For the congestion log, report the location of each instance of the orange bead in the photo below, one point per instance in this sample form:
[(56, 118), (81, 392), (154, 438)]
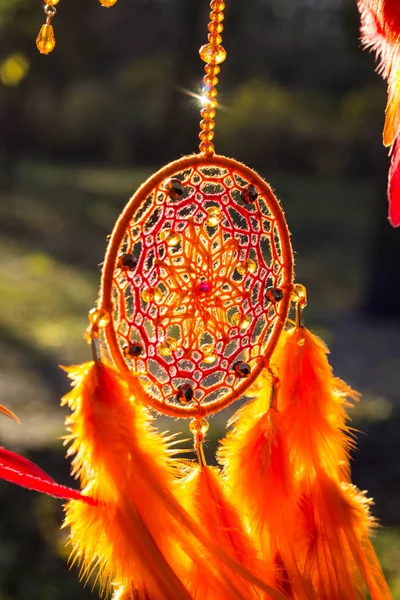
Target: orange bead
[(206, 135), (207, 148), (51, 2), (217, 17), (210, 103), (210, 80), (207, 125), (107, 3), (212, 54), (46, 41), (217, 5), (207, 113), (214, 38), (212, 69), (215, 27)]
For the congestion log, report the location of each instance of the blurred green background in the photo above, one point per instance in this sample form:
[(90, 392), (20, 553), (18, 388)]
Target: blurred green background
[(81, 128)]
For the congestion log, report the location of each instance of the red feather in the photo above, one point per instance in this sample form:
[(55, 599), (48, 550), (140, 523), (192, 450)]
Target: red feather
[(380, 28), (23, 472), (394, 187), (21, 464)]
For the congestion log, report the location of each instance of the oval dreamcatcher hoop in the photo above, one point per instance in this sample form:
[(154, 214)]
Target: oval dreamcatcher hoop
[(197, 281)]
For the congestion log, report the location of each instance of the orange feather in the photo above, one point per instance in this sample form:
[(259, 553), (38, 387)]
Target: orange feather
[(118, 456), (313, 406), (335, 555), (260, 478), (205, 498), (138, 536)]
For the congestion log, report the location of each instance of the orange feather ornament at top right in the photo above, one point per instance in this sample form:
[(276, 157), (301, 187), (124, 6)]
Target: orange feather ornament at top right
[(194, 313), (380, 28)]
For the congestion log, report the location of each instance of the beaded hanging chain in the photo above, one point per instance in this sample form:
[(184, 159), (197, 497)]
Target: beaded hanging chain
[(213, 54)]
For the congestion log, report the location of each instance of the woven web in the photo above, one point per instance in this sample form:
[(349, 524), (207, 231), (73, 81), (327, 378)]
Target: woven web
[(196, 300)]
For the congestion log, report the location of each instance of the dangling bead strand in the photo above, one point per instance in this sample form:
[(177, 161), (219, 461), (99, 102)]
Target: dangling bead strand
[(46, 41), (107, 3), (213, 54)]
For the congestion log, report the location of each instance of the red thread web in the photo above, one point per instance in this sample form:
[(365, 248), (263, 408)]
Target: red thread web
[(199, 290)]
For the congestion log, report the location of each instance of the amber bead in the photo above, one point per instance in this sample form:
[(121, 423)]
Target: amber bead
[(46, 41), (199, 426), (152, 294), (99, 317), (207, 148), (208, 113), (242, 322), (249, 266), (209, 354), (210, 80), (207, 125), (214, 38), (133, 350), (212, 69), (217, 17), (217, 5), (213, 219), (211, 92), (51, 2), (107, 3), (185, 393), (299, 294), (168, 347), (241, 369), (210, 103), (212, 54), (215, 27), (206, 136), (173, 240)]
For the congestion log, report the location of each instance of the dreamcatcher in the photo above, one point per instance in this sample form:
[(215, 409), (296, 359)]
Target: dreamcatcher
[(197, 308)]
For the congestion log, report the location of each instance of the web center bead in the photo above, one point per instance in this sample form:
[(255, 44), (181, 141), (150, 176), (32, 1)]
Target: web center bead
[(203, 288)]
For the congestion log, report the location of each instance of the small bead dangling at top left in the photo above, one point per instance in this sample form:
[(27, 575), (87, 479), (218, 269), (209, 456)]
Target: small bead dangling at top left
[(107, 3), (46, 41)]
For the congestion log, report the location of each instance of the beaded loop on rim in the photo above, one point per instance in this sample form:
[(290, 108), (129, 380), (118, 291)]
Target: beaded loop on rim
[(187, 276)]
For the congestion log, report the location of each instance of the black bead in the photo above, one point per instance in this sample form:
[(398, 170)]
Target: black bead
[(185, 393), (249, 194), (133, 350), (241, 369), (127, 261), (274, 294), (174, 188)]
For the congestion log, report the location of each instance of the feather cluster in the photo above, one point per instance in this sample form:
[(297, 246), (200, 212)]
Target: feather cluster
[(278, 520), (286, 465), (380, 28)]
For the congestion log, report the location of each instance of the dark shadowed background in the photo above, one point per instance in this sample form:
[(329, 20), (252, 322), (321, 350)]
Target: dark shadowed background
[(81, 128)]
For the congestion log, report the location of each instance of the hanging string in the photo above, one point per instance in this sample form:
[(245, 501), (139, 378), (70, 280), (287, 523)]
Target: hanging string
[(213, 54)]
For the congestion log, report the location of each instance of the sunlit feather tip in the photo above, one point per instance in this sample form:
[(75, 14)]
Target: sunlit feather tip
[(380, 28)]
